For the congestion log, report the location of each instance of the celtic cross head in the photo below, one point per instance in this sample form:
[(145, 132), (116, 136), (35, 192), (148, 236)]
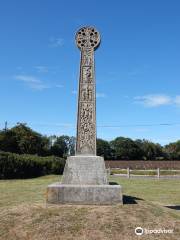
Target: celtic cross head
[(87, 37)]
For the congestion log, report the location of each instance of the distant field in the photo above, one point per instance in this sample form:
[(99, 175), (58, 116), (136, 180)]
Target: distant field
[(25, 215), (139, 164)]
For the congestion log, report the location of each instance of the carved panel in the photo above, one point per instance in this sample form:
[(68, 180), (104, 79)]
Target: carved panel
[(87, 126), (87, 92), (87, 74), (87, 57)]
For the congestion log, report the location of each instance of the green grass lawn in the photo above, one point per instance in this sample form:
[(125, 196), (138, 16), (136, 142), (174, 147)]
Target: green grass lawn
[(163, 192), (24, 213), (14, 192)]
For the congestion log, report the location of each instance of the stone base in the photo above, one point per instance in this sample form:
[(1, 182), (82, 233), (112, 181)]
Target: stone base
[(84, 181), (85, 170), (84, 194)]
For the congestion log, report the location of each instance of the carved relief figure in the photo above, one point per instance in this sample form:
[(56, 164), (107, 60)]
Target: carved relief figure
[(87, 74), (87, 60), (86, 94), (87, 57)]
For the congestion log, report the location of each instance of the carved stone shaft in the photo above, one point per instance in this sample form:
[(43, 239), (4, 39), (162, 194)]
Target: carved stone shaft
[(87, 40)]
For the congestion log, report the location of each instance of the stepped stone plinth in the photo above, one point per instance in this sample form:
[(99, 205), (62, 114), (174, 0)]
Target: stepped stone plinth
[(84, 182)]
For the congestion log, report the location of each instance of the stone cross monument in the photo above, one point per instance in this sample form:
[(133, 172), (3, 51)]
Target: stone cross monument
[(87, 40), (84, 178)]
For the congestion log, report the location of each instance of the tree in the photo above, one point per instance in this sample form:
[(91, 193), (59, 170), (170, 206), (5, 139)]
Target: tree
[(8, 141), (22, 139), (28, 140), (104, 149), (172, 150), (126, 148), (150, 150), (60, 146)]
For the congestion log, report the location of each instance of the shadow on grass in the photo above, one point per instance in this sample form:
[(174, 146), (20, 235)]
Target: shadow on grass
[(176, 207), (130, 199), (127, 199), (113, 183)]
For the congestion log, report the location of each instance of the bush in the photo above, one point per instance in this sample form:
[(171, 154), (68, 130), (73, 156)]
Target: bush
[(27, 166), (57, 165)]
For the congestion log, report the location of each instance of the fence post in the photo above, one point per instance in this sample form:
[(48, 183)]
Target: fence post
[(158, 173), (108, 170), (128, 172)]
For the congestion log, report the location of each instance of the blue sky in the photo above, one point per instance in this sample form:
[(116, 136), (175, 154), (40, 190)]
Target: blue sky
[(137, 66)]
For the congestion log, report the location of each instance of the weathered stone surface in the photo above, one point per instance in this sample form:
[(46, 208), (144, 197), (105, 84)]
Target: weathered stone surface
[(84, 194), (87, 39), (85, 170), (84, 182)]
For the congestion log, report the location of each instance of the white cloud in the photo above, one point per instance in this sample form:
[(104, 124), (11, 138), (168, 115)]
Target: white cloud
[(35, 83), (47, 69), (56, 42), (32, 82), (153, 100), (177, 100), (41, 69), (100, 95)]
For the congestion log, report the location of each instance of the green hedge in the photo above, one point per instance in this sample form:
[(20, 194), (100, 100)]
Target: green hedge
[(14, 166)]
